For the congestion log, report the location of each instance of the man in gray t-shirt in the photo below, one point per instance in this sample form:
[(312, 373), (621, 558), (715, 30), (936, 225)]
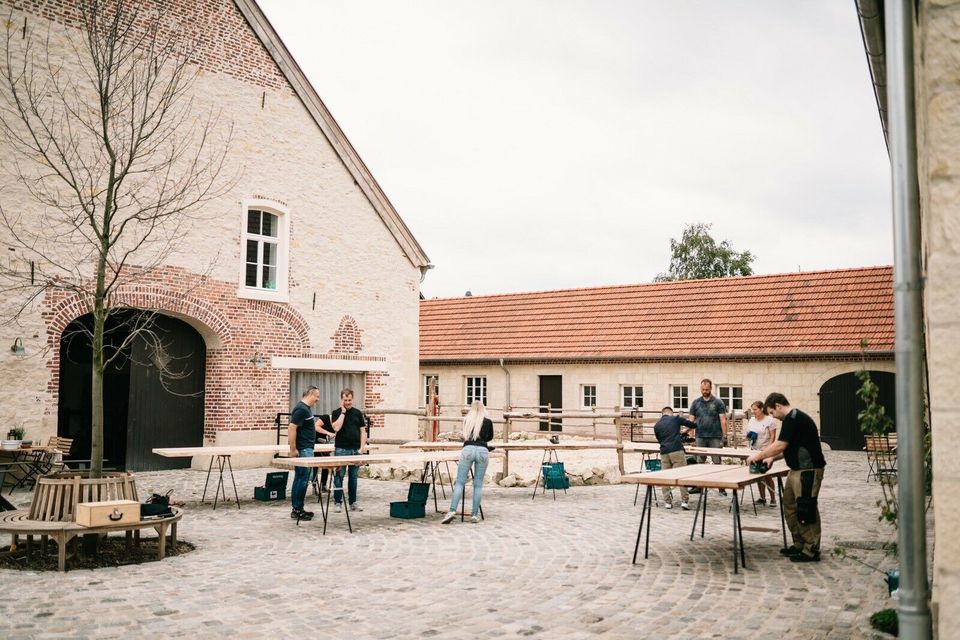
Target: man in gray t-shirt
[(711, 416)]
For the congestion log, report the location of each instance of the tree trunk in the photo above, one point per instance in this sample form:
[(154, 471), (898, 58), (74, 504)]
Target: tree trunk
[(96, 422)]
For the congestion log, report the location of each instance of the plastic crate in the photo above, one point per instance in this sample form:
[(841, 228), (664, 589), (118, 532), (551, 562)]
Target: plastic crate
[(653, 464)]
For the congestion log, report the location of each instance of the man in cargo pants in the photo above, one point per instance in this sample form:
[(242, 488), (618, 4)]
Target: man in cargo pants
[(799, 444)]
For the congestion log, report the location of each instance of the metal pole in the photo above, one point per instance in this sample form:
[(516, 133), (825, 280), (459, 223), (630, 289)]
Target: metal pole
[(914, 607)]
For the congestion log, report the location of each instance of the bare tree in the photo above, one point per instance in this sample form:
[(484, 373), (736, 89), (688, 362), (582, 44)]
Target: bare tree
[(109, 145)]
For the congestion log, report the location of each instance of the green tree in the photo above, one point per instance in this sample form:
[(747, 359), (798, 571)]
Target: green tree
[(697, 256)]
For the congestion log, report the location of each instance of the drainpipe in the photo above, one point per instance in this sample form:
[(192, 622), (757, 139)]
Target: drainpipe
[(506, 371), (914, 608)]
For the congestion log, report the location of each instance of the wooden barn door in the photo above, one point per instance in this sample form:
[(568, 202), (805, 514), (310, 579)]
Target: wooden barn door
[(166, 395), (839, 406)]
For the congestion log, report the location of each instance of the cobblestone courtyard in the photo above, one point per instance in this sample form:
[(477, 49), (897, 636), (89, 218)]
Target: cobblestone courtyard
[(534, 568)]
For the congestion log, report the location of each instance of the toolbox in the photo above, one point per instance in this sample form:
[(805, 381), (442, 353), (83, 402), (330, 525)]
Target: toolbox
[(274, 487), (109, 512), (415, 504)]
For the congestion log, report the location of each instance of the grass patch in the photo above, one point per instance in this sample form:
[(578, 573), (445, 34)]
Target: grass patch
[(886, 621)]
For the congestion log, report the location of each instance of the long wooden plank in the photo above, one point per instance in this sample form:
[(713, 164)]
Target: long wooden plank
[(188, 452), (736, 477), (680, 475)]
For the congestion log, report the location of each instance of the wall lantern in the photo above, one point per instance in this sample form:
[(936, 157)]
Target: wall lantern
[(258, 360)]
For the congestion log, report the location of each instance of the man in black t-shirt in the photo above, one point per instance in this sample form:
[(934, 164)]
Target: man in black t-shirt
[(799, 444), (351, 440)]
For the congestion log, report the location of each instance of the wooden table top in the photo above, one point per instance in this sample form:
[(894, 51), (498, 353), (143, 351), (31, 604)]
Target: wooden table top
[(726, 452), (411, 457), (736, 477), (187, 452), (515, 445), (712, 476)]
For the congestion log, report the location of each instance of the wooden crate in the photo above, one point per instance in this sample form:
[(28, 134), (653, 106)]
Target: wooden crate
[(109, 512)]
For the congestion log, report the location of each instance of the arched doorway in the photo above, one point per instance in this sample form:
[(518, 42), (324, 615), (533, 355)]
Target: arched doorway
[(153, 391), (839, 406)]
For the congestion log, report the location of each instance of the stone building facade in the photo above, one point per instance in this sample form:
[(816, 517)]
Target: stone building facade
[(649, 346), (346, 295)]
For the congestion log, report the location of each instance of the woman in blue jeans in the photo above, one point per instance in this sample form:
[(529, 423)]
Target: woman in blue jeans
[(477, 432)]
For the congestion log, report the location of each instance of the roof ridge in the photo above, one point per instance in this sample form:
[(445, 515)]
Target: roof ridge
[(671, 283)]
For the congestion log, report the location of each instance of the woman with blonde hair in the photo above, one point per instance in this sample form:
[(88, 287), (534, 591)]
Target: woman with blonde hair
[(477, 432)]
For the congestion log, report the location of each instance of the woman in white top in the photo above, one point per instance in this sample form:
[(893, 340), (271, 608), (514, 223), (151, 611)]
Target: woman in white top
[(762, 431)]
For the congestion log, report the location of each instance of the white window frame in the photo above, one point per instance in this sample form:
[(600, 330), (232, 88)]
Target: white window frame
[(426, 388), (281, 293), (728, 399), (673, 397), (633, 396), (584, 396), (470, 388)]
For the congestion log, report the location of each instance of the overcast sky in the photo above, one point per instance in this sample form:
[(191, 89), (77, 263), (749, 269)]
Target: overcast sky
[(554, 144)]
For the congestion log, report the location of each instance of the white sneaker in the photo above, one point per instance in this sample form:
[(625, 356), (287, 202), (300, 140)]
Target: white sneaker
[(475, 520), (447, 519), (667, 505), (685, 506)]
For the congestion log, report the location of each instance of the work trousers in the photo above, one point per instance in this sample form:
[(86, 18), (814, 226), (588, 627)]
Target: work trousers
[(802, 483), (669, 461)]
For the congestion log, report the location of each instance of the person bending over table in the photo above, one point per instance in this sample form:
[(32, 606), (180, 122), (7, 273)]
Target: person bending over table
[(670, 437), (477, 432), (302, 436), (351, 440), (762, 432), (799, 444)]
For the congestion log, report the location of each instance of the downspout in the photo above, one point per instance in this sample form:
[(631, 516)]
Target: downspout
[(914, 608), (507, 371)]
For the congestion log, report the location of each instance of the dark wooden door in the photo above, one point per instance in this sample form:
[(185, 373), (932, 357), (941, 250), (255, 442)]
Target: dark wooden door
[(166, 395), (839, 406), (551, 393)]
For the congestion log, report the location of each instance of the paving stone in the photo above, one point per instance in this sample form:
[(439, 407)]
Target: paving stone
[(533, 569)]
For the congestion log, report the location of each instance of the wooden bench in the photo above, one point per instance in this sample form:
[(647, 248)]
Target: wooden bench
[(18, 523), (52, 512)]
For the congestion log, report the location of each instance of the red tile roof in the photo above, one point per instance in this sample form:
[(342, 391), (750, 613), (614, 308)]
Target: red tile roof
[(823, 313)]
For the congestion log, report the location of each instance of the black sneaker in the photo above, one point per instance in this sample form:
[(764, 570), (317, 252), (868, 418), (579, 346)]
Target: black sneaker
[(802, 557), (790, 551), (301, 514), (694, 490), (723, 492)]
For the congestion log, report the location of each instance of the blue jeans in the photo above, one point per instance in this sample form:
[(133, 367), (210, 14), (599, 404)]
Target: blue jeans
[(351, 480), (301, 478), (476, 457)]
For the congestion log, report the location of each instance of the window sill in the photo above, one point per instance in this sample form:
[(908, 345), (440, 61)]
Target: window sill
[(263, 294)]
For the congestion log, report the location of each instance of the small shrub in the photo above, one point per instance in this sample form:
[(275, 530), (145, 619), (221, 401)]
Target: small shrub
[(886, 621)]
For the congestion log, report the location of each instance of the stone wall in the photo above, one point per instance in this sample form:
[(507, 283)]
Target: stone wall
[(799, 381), (938, 116)]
